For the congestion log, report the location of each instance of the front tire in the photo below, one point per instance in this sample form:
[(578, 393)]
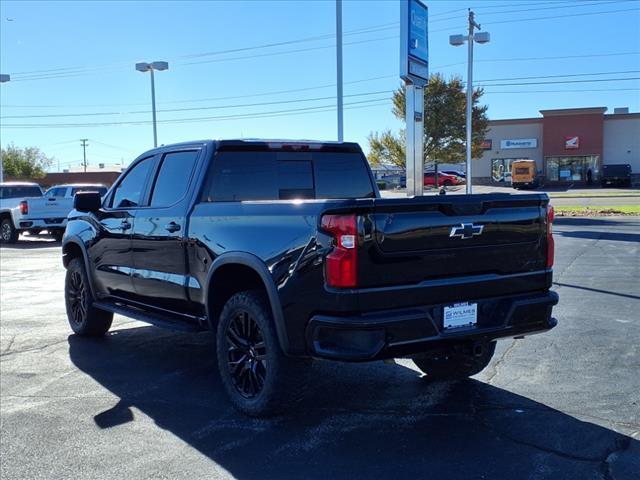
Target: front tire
[(456, 363), (258, 378), (85, 320), (8, 233)]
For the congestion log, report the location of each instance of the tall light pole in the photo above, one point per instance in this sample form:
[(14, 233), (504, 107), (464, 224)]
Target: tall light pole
[(456, 41), (151, 67), (339, 66), (4, 78)]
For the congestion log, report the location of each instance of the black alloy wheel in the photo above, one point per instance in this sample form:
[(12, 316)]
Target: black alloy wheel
[(77, 298), (84, 319), (246, 355)]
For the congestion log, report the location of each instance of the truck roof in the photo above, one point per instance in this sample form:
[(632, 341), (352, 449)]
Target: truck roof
[(272, 144), (19, 184), (62, 185)]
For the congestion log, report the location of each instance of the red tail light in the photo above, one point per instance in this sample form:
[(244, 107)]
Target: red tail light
[(550, 242), (341, 267), (24, 208)]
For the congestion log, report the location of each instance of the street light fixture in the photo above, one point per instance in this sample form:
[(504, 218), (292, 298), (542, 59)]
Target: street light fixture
[(456, 41), (151, 67)]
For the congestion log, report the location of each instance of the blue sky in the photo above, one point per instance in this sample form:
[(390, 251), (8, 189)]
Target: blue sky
[(76, 60)]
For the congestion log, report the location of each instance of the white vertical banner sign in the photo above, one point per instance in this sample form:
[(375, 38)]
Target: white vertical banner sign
[(414, 70)]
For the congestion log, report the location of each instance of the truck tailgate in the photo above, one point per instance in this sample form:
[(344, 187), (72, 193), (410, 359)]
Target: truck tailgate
[(49, 207), (412, 240)]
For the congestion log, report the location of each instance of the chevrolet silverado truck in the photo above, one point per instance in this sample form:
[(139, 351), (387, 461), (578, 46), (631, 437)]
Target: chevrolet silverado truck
[(288, 253), (12, 194), (50, 212)]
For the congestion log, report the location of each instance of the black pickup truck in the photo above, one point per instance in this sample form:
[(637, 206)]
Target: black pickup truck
[(287, 252)]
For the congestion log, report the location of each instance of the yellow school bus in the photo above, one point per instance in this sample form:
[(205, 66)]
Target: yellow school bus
[(523, 174)]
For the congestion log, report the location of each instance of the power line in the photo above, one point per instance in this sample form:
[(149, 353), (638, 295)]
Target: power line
[(250, 95), (489, 92), (318, 87), (572, 4), (556, 17), (198, 119), (215, 107), (65, 72), (562, 81), (303, 100), (561, 76)]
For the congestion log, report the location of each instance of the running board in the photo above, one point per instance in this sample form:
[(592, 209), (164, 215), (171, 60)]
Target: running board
[(156, 319)]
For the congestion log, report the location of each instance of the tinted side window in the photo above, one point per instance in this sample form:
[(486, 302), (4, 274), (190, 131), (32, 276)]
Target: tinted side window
[(129, 190), (56, 192), (173, 179)]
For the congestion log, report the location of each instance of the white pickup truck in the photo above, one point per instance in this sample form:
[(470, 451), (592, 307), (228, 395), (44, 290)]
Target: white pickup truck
[(50, 212), (11, 195)]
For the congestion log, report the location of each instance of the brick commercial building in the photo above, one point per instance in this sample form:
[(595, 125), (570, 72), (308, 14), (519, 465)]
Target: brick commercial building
[(565, 145)]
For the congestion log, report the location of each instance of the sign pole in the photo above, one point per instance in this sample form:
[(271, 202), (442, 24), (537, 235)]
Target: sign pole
[(414, 159), (414, 63)]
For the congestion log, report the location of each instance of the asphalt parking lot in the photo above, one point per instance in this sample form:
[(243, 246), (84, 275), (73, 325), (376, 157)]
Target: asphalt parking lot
[(147, 403)]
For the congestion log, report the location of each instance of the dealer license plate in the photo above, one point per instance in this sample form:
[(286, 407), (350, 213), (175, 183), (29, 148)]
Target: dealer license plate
[(461, 315)]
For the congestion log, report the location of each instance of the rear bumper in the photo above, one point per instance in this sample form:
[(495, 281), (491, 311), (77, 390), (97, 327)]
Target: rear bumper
[(26, 223), (409, 332)]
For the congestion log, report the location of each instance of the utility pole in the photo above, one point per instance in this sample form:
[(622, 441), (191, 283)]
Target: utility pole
[(339, 67), (84, 153)]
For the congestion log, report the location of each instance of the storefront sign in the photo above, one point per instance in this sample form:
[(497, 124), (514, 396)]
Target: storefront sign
[(565, 174), (571, 143), (487, 143), (519, 143)]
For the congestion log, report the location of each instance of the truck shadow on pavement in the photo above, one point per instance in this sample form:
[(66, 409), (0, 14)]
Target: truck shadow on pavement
[(357, 420)]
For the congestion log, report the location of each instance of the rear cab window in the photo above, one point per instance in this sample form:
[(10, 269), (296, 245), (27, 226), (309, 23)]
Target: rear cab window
[(20, 191), (282, 175)]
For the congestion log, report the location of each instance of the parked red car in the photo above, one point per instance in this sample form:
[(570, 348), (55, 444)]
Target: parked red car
[(444, 180)]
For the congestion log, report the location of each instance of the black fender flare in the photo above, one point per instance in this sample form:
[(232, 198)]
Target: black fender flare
[(257, 265), (76, 240)]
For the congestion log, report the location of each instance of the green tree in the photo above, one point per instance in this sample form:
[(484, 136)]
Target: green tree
[(27, 162), (444, 124)]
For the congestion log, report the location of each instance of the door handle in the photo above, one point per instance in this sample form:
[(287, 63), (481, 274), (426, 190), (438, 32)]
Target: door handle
[(172, 227), (125, 225)]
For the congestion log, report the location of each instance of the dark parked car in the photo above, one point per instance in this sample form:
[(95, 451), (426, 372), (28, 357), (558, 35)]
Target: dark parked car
[(288, 253), (618, 175)]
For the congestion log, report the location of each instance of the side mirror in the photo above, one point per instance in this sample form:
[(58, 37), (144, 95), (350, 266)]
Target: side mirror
[(87, 201)]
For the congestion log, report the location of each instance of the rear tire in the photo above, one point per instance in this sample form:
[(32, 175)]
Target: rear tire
[(456, 363), (258, 378), (84, 319), (447, 183), (8, 233)]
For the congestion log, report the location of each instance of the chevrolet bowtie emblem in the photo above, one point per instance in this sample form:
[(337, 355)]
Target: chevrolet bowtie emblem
[(466, 230)]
